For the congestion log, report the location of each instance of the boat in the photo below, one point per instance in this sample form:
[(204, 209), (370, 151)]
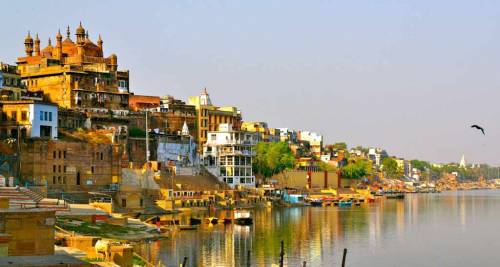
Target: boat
[(242, 217), (395, 195), (212, 220), (194, 221), (226, 221), (316, 202), (345, 203), (188, 227)]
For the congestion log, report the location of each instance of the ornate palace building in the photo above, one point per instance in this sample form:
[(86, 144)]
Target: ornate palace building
[(75, 74)]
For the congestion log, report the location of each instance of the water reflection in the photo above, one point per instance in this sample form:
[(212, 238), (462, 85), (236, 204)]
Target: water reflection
[(449, 229)]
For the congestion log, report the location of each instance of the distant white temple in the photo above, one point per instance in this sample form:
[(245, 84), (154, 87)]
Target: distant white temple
[(462, 164)]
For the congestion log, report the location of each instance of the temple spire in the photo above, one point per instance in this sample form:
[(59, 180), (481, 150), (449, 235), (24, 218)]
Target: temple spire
[(99, 42), (68, 32)]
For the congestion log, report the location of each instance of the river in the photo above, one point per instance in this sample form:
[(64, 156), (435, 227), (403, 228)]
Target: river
[(448, 229)]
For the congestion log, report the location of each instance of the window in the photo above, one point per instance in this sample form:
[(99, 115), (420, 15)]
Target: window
[(54, 168), (242, 180), (213, 137), (59, 168), (64, 154), (54, 154), (50, 116), (45, 116), (53, 180), (24, 115), (92, 169), (102, 156), (64, 168), (41, 115), (60, 153), (64, 179), (124, 202), (229, 180), (13, 115)]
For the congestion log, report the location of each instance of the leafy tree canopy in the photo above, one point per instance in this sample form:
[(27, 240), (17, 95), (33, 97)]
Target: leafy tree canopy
[(272, 158)]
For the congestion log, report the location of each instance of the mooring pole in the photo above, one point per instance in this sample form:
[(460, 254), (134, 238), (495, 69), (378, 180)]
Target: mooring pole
[(343, 257), (184, 262), (282, 254), (248, 258), (304, 264)]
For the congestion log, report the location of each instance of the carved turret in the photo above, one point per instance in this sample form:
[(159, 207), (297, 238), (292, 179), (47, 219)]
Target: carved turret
[(37, 45), (99, 42), (28, 45)]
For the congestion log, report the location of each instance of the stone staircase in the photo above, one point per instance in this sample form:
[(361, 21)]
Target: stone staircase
[(27, 199)]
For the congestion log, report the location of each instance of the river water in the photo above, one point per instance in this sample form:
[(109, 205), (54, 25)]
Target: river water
[(448, 229)]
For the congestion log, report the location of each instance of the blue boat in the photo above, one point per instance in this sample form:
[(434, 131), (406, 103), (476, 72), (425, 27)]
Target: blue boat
[(345, 203)]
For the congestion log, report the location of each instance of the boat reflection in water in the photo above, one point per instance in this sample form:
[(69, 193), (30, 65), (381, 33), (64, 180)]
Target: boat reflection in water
[(448, 229)]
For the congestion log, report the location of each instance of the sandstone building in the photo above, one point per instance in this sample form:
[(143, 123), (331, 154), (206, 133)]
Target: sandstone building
[(75, 73), (209, 117)]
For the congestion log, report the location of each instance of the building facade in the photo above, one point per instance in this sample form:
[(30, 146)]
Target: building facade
[(315, 141), (11, 87), (209, 117), (229, 154), (75, 74), (28, 119), (70, 165)]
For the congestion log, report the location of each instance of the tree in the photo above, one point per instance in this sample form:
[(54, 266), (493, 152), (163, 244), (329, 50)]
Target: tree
[(325, 166), (420, 165), (340, 145), (272, 158), (391, 169), (136, 132), (356, 170)]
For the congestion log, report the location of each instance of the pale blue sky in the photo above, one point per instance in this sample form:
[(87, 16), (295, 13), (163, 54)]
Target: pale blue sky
[(409, 76)]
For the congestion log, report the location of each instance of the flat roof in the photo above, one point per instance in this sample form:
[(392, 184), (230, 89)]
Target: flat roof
[(49, 260)]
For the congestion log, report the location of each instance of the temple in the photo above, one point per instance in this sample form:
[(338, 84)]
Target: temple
[(75, 74)]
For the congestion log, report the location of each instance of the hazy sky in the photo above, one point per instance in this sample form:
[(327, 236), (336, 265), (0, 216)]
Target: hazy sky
[(408, 76)]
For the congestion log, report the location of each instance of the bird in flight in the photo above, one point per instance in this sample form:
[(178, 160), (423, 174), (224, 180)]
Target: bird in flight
[(478, 127)]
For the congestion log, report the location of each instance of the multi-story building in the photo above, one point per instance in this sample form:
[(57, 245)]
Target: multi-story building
[(71, 165), (28, 119), (166, 115), (228, 154), (11, 87), (75, 74), (288, 135), (210, 116), (141, 102), (315, 141)]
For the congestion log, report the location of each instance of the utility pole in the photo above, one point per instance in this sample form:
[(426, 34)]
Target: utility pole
[(147, 137)]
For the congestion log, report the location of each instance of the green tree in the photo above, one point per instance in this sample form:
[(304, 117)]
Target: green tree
[(356, 170), (391, 169), (272, 158), (136, 132), (420, 165)]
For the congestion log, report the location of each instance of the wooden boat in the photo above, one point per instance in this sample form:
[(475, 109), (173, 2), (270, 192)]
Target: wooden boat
[(242, 217), (395, 195), (345, 203), (212, 220), (188, 227), (316, 202), (194, 221)]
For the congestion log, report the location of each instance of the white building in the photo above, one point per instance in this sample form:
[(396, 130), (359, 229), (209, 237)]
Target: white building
[(315, 141), (29, 118), (229, 154)]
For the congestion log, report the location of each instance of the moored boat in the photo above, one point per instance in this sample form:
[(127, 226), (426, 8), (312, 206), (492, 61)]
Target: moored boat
[(212, 220), (345, 203), (242, 217)]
